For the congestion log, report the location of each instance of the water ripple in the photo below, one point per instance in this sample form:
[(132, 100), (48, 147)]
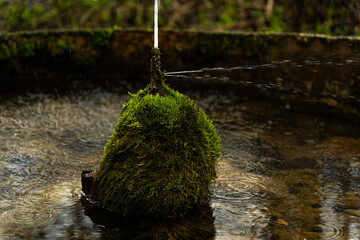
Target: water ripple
[(331, 230), (242, 185), (46, 140), (27, 215)]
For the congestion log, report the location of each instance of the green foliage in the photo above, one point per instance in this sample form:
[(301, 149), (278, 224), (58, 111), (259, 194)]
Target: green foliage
[(202, 16), (18, 16), (275, 20), (161, 158), (323, 29), (275, 25), (322, 16), (229, 15)]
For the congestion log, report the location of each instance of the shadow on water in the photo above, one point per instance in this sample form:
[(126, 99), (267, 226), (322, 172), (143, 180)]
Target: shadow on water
[(290, 165), (197, 224)]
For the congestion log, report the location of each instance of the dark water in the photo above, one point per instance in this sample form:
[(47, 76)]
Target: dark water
[(289, 169)]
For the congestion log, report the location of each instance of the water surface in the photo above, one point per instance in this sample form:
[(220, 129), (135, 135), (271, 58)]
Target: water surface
[(289, 169)]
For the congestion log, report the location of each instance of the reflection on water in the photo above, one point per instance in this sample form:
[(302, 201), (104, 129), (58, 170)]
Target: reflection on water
[(289, 169), (45, 142), (306, 77), (198, 224)]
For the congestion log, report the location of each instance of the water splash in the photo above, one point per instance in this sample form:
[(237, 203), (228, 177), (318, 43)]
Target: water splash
[(156, 28)]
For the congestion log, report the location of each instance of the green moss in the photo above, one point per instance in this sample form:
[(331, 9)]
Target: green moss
[(97, 45), (102, 38), (58, 46), (161, 158), (157, 76), (15, 47), (225, 44)]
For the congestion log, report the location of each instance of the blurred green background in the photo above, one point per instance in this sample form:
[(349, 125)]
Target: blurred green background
[(337, 17)]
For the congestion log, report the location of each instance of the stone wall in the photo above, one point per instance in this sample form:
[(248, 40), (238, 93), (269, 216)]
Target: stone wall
[(105, 57)]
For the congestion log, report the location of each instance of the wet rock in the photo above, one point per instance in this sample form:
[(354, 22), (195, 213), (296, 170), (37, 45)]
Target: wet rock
[(89, 183)]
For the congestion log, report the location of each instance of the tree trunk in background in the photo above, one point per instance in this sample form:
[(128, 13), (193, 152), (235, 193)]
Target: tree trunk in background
[(269, 8)]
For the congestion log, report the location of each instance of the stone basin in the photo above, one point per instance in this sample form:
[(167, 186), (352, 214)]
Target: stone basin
[(285, 105)]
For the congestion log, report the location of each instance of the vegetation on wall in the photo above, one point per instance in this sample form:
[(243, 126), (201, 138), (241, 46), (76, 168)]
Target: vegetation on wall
[(62, 45), (322, 16)]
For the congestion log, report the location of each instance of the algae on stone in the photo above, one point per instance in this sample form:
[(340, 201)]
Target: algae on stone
[(161, 157)]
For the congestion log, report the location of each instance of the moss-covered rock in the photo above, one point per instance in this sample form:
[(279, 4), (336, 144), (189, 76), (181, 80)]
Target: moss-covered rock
[(161, 158)]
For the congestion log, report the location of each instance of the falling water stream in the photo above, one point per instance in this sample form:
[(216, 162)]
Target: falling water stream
[(156, 24), (289, 169)]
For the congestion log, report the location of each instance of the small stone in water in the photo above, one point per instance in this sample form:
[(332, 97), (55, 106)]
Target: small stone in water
[(282, 222)]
